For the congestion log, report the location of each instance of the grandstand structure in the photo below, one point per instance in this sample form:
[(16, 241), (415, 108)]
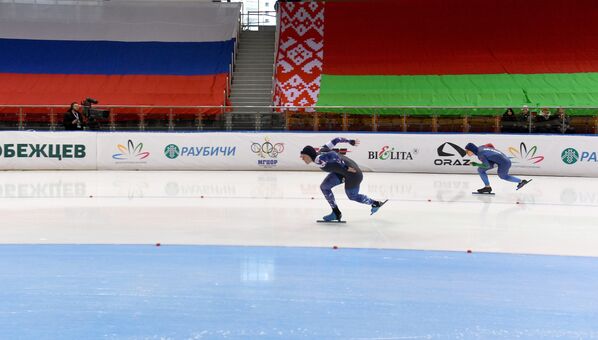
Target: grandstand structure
[(324, 66)]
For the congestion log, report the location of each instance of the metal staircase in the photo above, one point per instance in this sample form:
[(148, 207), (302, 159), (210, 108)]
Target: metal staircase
[(252, 83)]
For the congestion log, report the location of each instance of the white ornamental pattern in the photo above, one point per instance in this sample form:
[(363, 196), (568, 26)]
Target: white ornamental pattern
[(300, 55)]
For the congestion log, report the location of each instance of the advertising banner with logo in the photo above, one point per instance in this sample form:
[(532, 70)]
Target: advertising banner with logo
[(28, 150), (380, 152), (444, 153), (193, 151), (529, 154), (579, 157), (242, 151)]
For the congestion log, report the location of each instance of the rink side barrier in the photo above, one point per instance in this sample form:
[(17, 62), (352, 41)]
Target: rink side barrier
[(429, 153)]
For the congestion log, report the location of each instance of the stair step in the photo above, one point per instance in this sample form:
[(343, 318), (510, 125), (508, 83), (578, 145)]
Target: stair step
[(240, 88), (255, 53), (267, 57), (251, 105), (264, 40), (264, 69), (251, 91), (260, 87), (252, 99), (258, 48), (257, 100), (241, 93), (257, 35), (257, 42), (247, 69), (254, 58), (254, 64), (243, 96), (263, 59), (245, 76), (260, 111), (260, 95), (258, 75), (264, 72), (252, 79), (257, 62), (254, 47), (252, 85), (261, 65), (257, 38)]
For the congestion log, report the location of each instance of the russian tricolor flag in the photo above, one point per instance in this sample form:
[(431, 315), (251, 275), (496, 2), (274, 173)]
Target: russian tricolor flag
[(140, 53)]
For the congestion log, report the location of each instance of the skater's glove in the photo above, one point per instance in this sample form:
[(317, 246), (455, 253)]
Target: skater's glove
[(479, 165), (354, 142)]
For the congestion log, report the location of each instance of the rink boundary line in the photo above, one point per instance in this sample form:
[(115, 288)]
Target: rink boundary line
[(298, 247), (296, 198)]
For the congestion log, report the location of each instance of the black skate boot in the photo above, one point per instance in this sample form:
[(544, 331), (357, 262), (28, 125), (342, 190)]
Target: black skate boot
[(376, 205), (522, 183), (334, 215), (485, 190)]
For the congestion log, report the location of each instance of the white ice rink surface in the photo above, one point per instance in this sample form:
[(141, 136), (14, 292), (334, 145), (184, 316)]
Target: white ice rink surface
[(551, 215)]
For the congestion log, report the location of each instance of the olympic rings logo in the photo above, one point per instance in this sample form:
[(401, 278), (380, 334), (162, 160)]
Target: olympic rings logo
[(267, 148)]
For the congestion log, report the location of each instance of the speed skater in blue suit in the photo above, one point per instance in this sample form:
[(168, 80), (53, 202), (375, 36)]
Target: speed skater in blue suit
[(341, 169), (489, 157)]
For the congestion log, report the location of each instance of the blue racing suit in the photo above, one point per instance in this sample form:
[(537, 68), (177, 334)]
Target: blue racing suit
[(338, 167), (490, 157)]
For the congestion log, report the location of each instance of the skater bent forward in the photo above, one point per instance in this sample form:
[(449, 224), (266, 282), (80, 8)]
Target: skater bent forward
[(490, 157), (341, 168)]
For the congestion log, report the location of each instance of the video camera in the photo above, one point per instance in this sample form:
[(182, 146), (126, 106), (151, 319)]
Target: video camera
[(93, 116), (93, 113)]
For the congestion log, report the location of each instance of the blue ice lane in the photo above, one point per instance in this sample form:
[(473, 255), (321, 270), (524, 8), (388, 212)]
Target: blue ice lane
[(182, 292)]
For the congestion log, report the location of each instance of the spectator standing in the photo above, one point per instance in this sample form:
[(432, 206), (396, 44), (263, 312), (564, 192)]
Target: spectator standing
[(73, 119), (509, 121), (564, 122), (544, 122)]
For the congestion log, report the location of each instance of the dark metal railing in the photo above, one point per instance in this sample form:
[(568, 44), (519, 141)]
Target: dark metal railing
[(260, 118)]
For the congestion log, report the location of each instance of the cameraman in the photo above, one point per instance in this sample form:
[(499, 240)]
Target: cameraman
[(92, 116), (73, 119)]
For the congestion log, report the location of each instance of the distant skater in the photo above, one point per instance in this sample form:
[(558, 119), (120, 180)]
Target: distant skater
[(341, 169), (490, 157)]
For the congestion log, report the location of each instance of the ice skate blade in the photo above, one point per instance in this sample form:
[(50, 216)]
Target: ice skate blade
[(334, 221), (524, 184), (378, 208), (482, 193)]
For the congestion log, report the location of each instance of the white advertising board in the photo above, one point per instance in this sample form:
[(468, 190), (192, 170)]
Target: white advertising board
[(28, 150), (380, 152)]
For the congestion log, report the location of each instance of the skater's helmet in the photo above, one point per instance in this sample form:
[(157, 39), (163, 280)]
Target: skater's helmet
[(472, 147), (310, 151)]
